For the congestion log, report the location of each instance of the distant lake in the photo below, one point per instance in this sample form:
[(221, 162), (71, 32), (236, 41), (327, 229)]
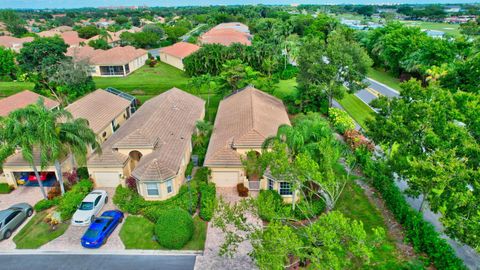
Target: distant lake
[(36, 4)]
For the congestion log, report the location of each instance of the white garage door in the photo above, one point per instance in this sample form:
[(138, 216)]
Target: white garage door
[(107, 179), (225, 179)]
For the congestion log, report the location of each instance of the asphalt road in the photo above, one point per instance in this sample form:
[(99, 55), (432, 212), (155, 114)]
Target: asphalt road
[(87, 262), (374, 90)]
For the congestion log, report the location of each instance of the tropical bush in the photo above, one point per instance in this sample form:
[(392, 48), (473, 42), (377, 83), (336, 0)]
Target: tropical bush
[(82, 173), (174, 228), (131, 202), (69, 202), (420, 233), (269, 204), (340, 120), (45, 204), (207, 200), (5, 188), (356, 140)]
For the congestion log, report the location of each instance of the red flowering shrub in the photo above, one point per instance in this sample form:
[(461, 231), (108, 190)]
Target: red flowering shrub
[(356, 140), (131, 183)]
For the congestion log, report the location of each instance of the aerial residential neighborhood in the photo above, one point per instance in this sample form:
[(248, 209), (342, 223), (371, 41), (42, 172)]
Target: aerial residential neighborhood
[(212, 136)]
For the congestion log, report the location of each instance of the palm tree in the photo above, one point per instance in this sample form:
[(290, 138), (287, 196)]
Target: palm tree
[(75, 137), (30, 129)]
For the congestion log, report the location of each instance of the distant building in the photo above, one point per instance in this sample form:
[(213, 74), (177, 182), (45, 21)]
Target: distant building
[(227, 34), (70, 37), (452, 9), (435, 33)]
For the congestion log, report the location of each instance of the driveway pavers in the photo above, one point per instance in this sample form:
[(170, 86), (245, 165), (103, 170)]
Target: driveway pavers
[(215, 237), (70, 240)]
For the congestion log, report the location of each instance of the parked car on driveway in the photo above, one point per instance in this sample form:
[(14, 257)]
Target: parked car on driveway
[(101, 228), (13, 217), (90, 206)]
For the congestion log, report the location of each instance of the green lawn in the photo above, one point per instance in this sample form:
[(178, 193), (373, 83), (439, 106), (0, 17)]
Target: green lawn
[(354, 204), (10, 88), (37, 233), (356, 108), (452, 29), (286, 88), (384, 77), (147, 81), (137, 233)]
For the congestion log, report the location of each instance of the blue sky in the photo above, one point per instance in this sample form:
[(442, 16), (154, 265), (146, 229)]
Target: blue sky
[(96, 3)]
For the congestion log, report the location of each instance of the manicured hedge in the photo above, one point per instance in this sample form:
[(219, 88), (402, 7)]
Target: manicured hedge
[(207, 200), (420, 233), (174, 228), (131, 202), (71, 199), (45, 204), (269, 204), (5, 188)]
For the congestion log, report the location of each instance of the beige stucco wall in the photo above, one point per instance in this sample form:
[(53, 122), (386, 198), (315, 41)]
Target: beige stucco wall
[(171, 60), (108, 129)]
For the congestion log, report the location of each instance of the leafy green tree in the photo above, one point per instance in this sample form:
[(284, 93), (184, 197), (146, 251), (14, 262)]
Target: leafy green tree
[(37, 56), (329, 69), (236, 75), (121, 19), (13, 22), (8, 67), (99, 44), (470, 28), (88, 31)]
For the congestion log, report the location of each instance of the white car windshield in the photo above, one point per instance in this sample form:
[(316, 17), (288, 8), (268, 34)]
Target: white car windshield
[(86, 206)]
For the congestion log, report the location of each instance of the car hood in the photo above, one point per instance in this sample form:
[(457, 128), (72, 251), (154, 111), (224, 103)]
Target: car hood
[(82, 215)]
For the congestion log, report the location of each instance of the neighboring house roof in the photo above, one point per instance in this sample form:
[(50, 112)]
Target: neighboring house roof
[(70, 37), (21, 100), (13, 42), (114, 56), (225, 36), (62, 28), (244, 119), (240, 27), (99, 108), (164, 124), (180, 49), (113, 37)]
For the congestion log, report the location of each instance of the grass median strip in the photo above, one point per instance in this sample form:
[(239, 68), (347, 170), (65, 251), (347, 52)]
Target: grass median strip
[(357, 109)]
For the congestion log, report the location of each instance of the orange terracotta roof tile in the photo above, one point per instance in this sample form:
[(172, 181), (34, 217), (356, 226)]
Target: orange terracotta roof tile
[(180, 49), (21, 100)]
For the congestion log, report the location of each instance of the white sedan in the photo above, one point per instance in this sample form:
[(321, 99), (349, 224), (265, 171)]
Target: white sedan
[(90, 206)]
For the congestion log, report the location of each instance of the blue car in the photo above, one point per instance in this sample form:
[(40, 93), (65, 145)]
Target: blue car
[(101, 228)]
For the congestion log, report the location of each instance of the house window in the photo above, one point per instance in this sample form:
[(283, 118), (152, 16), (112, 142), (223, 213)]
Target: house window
[(270, 184), (169, 186), (152, 189), (127, 69), (285, 188), (104, 134)]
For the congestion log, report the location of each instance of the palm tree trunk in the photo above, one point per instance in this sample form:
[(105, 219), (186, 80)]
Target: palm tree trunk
[(58, 168), (37, 175)]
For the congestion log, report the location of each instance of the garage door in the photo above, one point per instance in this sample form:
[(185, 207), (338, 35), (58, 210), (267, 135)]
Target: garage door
[(107, 179), (225, 179)]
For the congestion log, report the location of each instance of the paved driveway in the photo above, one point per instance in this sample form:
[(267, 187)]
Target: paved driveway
[(30, 195), (70, 240)]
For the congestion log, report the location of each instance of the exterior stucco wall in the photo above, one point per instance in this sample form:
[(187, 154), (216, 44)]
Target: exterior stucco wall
[(119, 170), (172, 60), (133, 65)]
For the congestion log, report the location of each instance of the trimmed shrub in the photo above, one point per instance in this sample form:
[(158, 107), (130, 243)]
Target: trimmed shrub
[(242, 190), (174, 228), (69, 202), (82, 173), (269, 204), (45, 204), (202, 175), (340, 120), (5, 188), (207, 200), (128, 200)]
